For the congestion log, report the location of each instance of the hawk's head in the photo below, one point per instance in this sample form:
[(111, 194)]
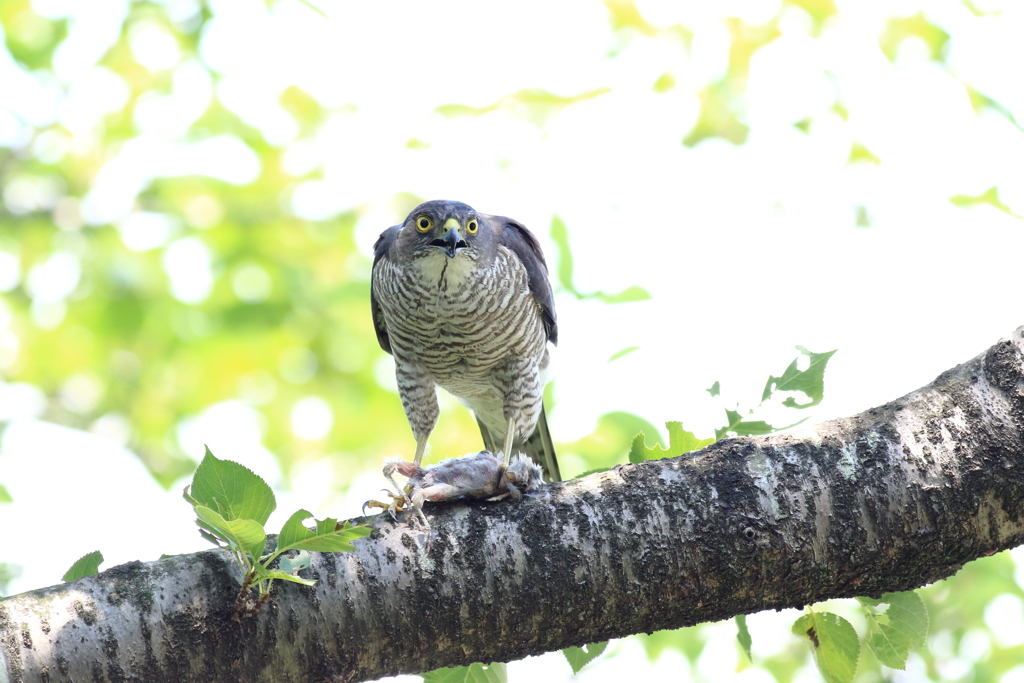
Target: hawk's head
[(451, 227)]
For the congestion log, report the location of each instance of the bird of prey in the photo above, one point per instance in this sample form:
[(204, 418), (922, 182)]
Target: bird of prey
[(462, 300)]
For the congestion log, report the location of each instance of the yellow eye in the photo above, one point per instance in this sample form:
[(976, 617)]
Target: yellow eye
[(424, 224), (471, 226)]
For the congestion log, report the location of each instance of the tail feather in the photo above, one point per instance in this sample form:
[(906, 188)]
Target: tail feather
[(541, 448), (491, 441), (538, 446)]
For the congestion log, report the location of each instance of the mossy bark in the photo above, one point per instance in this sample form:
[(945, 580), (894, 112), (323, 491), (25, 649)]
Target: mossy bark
[(891, 499)]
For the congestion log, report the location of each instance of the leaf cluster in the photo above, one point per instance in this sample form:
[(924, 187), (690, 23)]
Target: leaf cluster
[(232, 506), (897, 624), (810, 381)]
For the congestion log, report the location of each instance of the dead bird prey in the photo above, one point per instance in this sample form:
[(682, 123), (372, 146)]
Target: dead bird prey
[(476, 475)]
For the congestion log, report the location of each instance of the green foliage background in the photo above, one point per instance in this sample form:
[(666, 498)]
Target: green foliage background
[(121, 348)]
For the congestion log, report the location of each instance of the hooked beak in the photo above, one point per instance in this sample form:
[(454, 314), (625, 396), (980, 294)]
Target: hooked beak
[(451, 242)]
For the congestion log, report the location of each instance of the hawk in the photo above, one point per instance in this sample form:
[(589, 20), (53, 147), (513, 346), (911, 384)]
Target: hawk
[(462, 300)]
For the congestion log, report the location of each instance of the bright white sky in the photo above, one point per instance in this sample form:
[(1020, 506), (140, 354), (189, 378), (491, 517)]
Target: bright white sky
[(747, 250)]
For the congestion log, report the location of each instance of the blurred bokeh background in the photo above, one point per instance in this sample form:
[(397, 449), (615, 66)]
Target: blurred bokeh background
[(191, 190)]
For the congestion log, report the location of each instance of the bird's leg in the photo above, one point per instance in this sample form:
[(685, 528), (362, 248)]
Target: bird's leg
[(510, 437), (421, 448), (419, 399), (390, 467)]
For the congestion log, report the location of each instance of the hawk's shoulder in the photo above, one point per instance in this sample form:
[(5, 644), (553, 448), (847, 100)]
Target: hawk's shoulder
[(381, 250), (515, 236), (382, 247)]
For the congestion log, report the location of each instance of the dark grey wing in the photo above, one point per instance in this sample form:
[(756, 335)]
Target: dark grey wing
[(490, 442), (381, 249), (515, 236)]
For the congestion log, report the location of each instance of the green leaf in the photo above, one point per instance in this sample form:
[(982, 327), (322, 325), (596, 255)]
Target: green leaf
[(638, 449), (285, 576), (579, 657), (752, 428), (564, 275), (634, 293), (264, 574), (240, 534), (862, 216), (834, 643), (327, 538), (453, 110), (896, 630), (474, 673), (614, 433), (682, 441), (5, 495), (679, 441), (231, 490), (740, 426), (743, 635), (623, 352), (564, 265), (858, 152), (719, 117), (87, 565), (293, 565), (625, 15), (208, 536), (715, 389), (989, 196), (810, 381), (534, 104), (664, 83), (898, 29), (981, 103)]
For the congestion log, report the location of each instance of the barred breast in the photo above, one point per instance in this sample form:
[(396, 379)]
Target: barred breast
[(463, 324)]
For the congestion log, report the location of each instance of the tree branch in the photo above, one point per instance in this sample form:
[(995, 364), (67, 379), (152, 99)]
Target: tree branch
[(891, 499)]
